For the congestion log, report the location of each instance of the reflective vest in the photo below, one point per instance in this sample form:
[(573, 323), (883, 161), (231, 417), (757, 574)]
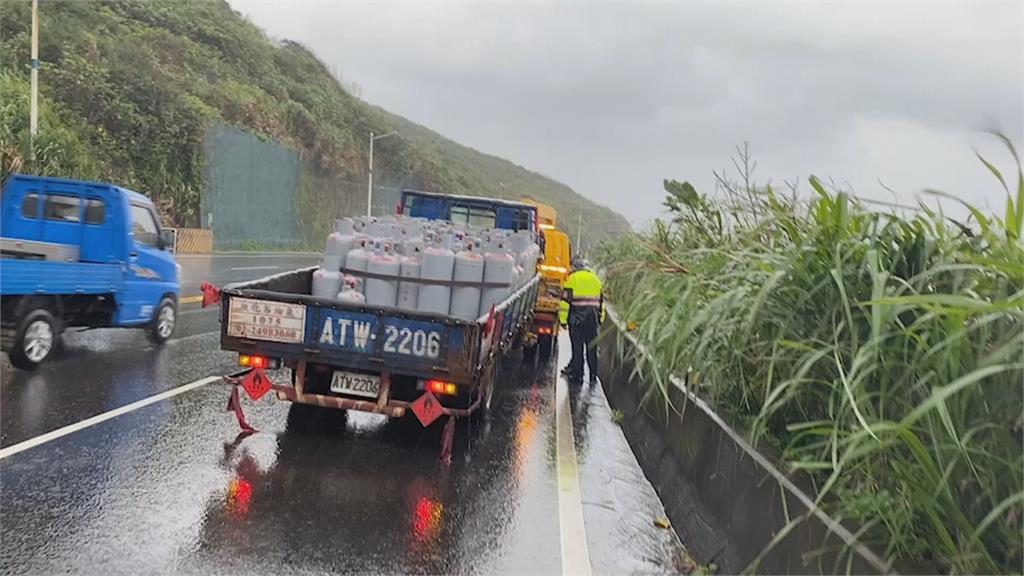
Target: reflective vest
[(581, 290)]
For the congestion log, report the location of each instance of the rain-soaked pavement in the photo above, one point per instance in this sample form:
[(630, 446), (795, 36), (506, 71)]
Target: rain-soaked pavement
[(172, 486)]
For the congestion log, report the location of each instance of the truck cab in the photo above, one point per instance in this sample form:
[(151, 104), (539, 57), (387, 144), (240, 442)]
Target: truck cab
[(85, 254), (487, 212)]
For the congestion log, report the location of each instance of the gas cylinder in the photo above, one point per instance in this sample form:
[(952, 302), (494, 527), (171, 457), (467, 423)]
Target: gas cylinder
[(358, 257), (351, 295), (437, 264), (469, 267), (339, 242), (326, 282), (409, 292), (353, 282), (382, 292), (499, 266)]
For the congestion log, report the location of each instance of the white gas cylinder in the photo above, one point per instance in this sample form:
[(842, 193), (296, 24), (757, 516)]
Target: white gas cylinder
[(339, 243), (499, 266), (351, 295), (469, 267), (326, 282), (358, 257), (437, 264), (383, 292), (409, 292)]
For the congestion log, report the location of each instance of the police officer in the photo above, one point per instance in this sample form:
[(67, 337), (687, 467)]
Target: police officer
[(582, 308)]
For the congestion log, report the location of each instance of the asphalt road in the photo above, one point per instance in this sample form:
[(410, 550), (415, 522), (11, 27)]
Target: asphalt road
[(172, 487)]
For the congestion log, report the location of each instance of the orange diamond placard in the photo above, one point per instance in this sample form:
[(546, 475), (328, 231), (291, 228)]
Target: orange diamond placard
[(256, 384), (427, 408)]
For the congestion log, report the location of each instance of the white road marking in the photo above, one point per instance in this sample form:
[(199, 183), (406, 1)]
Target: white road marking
[(241, 268), (575, 552), (61, 432)]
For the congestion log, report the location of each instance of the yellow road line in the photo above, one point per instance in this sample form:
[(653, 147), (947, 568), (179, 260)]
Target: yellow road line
[(575, 552), (190, 299)]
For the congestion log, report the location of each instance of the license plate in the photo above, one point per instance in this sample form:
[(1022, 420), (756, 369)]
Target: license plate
[(364, 385)]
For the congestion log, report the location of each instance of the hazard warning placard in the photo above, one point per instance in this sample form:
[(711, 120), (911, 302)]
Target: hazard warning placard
[(427, 408)]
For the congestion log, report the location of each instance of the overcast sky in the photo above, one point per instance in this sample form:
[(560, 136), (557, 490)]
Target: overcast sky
[(611, 98)]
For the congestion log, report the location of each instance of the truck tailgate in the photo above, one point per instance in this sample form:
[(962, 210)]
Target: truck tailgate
[(370, 338)]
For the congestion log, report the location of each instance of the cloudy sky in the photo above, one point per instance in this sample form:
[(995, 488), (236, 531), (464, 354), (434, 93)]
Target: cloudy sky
[(611, 98)]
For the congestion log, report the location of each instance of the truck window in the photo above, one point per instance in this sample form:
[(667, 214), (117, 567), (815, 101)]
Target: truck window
[(144, 226), (30, 206), (62, 208), (95, 211)]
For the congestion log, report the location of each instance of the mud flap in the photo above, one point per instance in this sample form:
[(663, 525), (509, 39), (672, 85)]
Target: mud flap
[(235, 403), (447, 439)]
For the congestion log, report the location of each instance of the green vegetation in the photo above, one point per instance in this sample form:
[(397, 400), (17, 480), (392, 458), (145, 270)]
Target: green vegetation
[(881, 356), (617, 416), (128, 89)]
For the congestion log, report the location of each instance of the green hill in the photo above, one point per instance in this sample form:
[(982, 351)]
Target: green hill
[(128, 89)]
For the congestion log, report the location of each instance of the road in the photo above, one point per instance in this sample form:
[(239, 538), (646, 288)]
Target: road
[(166, 484)]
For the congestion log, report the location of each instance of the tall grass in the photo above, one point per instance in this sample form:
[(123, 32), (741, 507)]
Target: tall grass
[(881, 355)]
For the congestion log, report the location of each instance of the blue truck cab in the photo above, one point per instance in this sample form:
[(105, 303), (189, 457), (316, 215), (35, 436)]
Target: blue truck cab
[(80, 254)]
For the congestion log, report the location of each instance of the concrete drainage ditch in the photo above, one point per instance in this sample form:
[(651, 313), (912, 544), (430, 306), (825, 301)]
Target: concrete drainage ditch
[(727, 502)]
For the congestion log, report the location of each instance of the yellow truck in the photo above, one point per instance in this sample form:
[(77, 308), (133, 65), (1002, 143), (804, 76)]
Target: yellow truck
[(554, 269)]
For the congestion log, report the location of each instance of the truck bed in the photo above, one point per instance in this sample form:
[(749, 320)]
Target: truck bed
[(19, 277), (277, 317)]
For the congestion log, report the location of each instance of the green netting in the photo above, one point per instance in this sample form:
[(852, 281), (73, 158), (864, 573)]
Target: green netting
[(251, 190)]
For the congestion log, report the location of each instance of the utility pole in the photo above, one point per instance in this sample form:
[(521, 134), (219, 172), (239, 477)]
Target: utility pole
[(369, 180), (33, 115)]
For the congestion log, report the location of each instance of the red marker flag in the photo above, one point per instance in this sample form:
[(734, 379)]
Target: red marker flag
[(256, 384), (211, 294), (427, 408)]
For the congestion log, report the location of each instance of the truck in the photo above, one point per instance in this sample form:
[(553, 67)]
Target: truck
[(554, 269), (82, 254), (380, 359)]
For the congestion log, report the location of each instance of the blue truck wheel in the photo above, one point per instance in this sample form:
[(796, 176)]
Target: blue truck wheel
[(35, 340), (164, 320)]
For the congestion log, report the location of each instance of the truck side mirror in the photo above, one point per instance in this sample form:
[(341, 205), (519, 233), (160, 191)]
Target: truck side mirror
[(167, 239)]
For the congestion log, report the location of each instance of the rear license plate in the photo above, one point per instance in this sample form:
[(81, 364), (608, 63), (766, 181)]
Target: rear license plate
[(365, 385)]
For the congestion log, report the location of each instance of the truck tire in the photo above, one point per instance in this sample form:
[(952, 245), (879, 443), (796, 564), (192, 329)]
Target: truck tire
[(545, 345), (35, 339), (530, 353), (164, 320)]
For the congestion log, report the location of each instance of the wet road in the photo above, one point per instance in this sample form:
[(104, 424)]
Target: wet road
[(171, 487)]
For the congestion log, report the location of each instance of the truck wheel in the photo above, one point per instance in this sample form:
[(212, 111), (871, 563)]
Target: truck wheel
[(529, 353), (545, 345), (35, 340), (164, 320)]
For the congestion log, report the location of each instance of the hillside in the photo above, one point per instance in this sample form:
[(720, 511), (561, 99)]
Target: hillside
[(129, 87)]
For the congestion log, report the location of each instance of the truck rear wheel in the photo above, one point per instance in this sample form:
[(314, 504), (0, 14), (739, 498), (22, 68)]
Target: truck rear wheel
[(545, 346), (35, 340), (163, 323)]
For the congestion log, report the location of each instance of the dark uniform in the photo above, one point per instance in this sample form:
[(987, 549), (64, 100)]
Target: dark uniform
[(582, 309)]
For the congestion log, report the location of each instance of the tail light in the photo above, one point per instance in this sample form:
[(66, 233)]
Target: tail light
[(263, 362), (439, 387), (544, 330)]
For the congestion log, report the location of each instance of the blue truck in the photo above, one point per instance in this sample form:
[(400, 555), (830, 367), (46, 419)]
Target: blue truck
[(354, 356), (80, 254)]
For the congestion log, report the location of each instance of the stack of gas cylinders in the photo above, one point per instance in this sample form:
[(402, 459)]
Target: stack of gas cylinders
[(377, 261)]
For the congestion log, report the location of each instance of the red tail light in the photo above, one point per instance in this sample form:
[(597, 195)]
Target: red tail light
[(543, 330), (441, 387), (252, 361)]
